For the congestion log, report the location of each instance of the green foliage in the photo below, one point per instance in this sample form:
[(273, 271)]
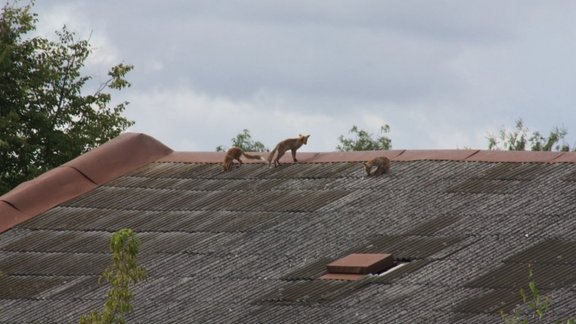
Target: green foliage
[(244, 141), (520, 138), (46, 119), (537, 303), (363, 141), (122, 274)]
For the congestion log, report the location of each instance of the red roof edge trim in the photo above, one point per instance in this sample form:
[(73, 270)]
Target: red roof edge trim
[(394, 155), (119, 156), (109, 161), (443, 155), (565, 157), (303, 157), (82, 173), (48, 190), (10, 216), (197, 157), (515, 156)]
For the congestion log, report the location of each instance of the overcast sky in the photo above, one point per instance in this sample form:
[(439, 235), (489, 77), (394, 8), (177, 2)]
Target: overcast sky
[(441, 73)]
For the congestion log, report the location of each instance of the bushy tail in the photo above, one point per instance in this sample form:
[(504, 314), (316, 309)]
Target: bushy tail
[(254, 157), (271, 156)]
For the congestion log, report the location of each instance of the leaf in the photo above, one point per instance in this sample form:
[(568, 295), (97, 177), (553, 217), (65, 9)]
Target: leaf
[(122, 274), (518, 139), (364, 141)]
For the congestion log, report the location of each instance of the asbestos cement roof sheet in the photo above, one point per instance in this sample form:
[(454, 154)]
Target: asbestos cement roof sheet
[(251, 245)]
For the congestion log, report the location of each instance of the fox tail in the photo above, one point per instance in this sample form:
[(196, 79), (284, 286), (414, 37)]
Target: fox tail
[(271, 156), (254, 157)]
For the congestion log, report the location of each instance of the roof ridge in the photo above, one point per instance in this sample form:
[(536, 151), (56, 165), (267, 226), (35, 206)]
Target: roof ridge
[(464, 155), (109, 161), (130, 151)]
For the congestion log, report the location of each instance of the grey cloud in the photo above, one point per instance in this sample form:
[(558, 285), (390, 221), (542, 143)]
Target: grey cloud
[(369, 50), (450, 62)]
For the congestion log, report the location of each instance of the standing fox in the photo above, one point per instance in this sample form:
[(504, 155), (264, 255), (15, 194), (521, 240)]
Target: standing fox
[(381, 163), (235, 153), (292, 144)]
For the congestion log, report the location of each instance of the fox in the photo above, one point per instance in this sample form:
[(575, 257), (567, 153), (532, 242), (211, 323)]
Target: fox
[(235, 153), (292, 144), (381, 163)]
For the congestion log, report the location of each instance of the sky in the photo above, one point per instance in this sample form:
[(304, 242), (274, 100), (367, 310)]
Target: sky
[(443, 74)]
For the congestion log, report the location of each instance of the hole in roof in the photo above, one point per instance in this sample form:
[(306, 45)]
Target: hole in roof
[(397, 265)]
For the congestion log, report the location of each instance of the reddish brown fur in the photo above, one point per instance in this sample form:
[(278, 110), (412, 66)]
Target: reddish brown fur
[(381, 163), (292, 144), (235, 153)]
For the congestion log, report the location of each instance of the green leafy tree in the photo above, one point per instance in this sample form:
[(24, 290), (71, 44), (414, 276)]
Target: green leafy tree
[(122, 275), (521, 139), (244, 141), (364, 141), (47, 117)]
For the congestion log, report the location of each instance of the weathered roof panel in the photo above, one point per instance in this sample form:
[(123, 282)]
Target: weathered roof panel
[(250, 245)]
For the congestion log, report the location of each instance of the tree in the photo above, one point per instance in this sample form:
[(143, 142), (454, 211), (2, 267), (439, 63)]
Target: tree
[(244, 141), (520, 138), (46, 116), (363, 140), (122, 274)]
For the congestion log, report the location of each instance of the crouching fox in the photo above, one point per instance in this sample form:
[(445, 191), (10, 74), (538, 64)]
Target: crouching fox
[(381, 163)]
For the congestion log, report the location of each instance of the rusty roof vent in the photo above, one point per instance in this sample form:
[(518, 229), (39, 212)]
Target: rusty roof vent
[(357, 265)]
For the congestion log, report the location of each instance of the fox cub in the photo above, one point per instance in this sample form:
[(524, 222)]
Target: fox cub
[(235, 153), (292, 144), (381, 163)]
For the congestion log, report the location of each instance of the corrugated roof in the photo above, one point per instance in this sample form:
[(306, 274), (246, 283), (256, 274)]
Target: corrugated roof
[(109, 161), (249, 245)]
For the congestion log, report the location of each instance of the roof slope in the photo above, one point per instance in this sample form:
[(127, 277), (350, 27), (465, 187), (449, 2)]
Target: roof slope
[(249, 245)]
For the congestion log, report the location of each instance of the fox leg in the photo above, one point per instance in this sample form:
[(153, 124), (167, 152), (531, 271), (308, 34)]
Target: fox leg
[(239, 161), (280, 154)]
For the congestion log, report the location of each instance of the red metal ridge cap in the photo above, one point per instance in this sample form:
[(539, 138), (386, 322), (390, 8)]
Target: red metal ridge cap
[(488, 156), (44, 192), (10, 216), (304, 157), (515, 156), (119, 156), (443, 155), (394, 155), (112, 159), (565, 157), (331, 157), (196, 157)]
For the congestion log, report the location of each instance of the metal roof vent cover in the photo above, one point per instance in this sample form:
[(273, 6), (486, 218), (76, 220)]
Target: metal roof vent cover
[(356, 266)]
